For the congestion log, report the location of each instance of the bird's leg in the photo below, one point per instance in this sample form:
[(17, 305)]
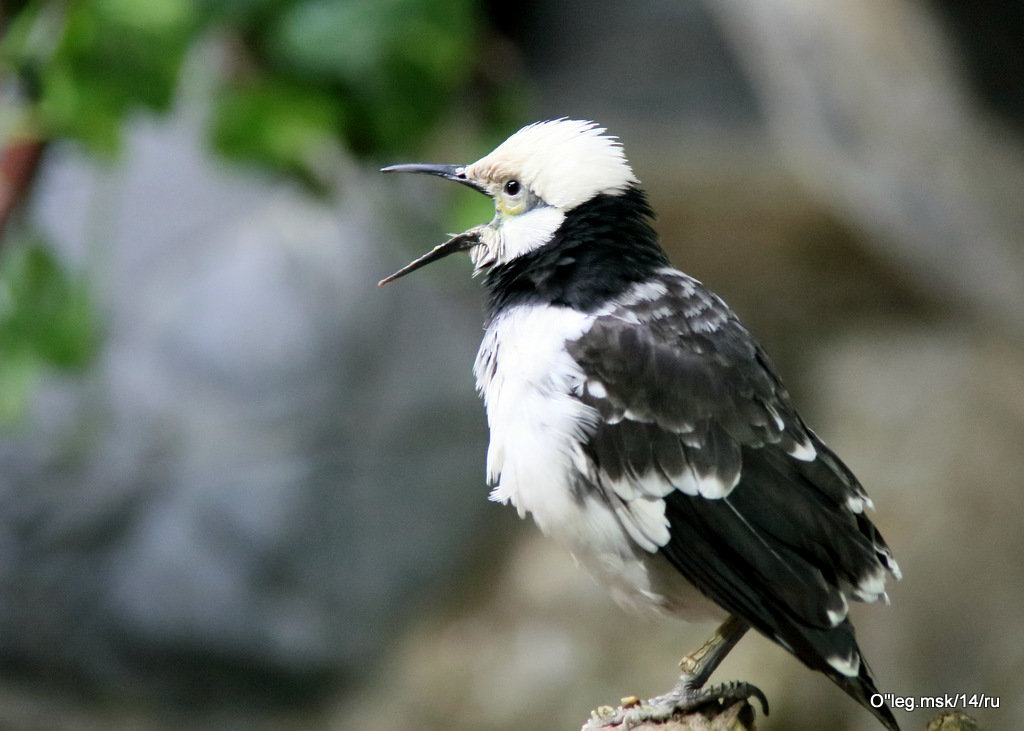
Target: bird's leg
[(698, 665), (689, 692)]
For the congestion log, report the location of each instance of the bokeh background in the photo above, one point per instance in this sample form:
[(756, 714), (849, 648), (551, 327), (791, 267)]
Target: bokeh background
[(241, 487)]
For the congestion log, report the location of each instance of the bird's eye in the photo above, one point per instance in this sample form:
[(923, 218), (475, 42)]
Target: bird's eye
[(512, 187)]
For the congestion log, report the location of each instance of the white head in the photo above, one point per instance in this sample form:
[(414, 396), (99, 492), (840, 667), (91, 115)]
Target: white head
[(535, 177), (564, 162)]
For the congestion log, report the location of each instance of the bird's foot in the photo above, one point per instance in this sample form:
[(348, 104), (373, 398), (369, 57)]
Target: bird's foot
[(684, 698)]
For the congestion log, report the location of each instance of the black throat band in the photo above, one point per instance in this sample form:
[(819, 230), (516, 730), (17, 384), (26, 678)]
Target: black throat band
[(603, 247)]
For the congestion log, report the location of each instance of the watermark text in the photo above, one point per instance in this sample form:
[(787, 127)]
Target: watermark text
[(946, 701)]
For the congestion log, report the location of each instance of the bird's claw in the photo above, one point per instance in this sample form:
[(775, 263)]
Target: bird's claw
[(732, 692), (684, 698)]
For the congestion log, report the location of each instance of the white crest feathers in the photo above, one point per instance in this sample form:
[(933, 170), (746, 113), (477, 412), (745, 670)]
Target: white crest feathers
[(565, 162)]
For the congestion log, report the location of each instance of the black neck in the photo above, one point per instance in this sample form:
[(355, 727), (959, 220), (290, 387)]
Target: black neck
[(603, 247)]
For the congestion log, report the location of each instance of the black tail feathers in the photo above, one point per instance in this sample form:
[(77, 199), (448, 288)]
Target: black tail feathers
[(862, 689)]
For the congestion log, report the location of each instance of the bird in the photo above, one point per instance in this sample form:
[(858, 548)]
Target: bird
[(644, 428)]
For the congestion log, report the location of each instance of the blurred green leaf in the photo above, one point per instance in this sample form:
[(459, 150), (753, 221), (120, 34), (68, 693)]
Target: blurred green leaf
[(46, 315), (242, 15), (373, 75), (393, 64), (281, 125), (355, 41), (18, 372), (299, 79), (46, 321), (91, 62)]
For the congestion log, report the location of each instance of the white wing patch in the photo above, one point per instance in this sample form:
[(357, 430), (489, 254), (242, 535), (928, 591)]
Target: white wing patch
[(649, 485), (871, 586), (857, 503), (645, 291), (644, 519), (710, 486), (803, 451), (848, 666), (836, 616)]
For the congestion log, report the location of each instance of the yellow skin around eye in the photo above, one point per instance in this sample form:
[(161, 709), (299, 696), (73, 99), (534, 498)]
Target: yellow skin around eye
[(507, 207)]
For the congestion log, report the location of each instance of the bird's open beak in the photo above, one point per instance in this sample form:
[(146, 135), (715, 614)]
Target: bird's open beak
[(461, 242)]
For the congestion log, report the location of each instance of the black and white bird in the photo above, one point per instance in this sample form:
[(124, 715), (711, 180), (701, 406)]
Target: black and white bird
[(641, 425)]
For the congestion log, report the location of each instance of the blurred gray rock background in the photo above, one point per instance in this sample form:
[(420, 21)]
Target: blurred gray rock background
[(264, 505), (266, 465)]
